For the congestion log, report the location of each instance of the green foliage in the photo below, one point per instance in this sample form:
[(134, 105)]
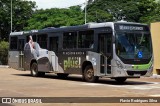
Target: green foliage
[(26, 18), (99, 16), (152, 12), (56, 17), (4, 46), (22, 11), (144, 11), (115, 9)]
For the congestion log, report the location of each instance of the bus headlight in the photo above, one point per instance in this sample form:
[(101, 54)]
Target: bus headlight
[(119, 64)]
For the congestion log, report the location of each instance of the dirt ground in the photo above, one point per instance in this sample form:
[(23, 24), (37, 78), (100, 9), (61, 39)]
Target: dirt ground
[(15, 83)]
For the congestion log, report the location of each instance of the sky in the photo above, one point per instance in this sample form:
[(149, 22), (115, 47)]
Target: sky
[(47, 4)]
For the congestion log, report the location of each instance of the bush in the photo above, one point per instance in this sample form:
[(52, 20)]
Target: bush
[(4, 46)]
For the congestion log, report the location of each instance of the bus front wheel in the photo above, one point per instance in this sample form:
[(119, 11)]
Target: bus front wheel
[(88, 74), (121, 79), (34, 70)]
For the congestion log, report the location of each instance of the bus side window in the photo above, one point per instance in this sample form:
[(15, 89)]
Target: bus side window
[(13, 43), (42, 40), (34, 37), (86, 39), (21, 44), (27, 38), (69, 40), (53, 45)]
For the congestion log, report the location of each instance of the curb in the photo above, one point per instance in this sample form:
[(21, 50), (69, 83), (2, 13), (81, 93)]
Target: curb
[(155, 76), (4, 66)]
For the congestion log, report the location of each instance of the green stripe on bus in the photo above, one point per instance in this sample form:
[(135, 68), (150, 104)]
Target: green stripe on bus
[(142, 67)]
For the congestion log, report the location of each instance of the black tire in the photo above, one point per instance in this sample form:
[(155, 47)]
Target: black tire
[(121, 79), (41, 74), (88, 74), (34, 70), (62, 75)]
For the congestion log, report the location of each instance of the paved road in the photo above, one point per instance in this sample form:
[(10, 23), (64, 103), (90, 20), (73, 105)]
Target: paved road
[(14, 83)]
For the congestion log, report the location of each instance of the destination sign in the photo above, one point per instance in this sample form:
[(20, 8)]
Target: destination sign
[(131, 27), (122, 27)]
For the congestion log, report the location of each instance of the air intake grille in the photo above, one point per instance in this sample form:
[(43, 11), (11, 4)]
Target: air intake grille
[(136, 72)]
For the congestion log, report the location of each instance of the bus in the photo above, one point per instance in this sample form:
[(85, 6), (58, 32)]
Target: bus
[(116, 50)]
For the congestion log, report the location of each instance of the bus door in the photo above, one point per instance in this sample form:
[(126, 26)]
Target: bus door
[(53, 46), (21, 53), (105, 49)]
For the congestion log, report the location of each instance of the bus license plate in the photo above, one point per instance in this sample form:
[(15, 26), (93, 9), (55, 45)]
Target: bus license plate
[(136, 74)]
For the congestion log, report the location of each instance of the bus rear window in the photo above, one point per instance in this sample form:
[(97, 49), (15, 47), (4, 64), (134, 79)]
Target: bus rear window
[(13, 43)]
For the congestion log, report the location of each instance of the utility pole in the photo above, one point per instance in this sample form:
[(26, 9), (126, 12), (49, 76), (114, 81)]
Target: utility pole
[(86, 12), (11, 16)]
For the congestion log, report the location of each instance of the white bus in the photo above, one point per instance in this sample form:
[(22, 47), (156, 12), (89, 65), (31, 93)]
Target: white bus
[(117, 50)]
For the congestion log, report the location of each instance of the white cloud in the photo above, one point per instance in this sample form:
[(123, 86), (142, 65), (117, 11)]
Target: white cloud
[(46, 4)]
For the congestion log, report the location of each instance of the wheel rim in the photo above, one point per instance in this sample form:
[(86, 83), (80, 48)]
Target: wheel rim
[(90, 74), (34, 69)]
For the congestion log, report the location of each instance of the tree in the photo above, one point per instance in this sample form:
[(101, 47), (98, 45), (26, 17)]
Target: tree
[(22, 11), (56, 17), (151, 12), (115, 9), (4, 52), (130, 10), (97, 11), (99, 16)]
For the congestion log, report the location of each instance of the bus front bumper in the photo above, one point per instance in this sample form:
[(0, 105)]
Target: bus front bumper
[(130, 73)]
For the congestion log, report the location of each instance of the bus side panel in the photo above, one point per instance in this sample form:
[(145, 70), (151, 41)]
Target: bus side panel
[(27, 56), (13, 60), (43, 64), (56, 62), (95, 58), (71, 62), (53, 59)]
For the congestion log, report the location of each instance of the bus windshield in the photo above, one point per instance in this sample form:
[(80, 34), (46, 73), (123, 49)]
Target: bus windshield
[(131, 45)]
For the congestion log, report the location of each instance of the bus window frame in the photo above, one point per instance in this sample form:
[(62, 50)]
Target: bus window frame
[(77, 49), (103, 30), (40, 34), (10, 44), (127, 61), (60, 39), (70, 35)]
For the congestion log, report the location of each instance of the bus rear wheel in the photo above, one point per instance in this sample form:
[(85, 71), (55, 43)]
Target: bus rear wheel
[(34, 70), (121, 79), (88, 74)]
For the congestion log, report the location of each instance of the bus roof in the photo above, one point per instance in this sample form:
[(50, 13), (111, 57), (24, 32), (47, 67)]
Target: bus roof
[(72, 28)]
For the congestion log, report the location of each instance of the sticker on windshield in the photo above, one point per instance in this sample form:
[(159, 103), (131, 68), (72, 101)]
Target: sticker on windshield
[(140, 54)]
